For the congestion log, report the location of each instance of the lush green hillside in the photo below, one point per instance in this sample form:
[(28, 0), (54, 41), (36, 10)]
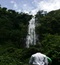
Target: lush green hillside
[(48, 31), (13, 27), (13, 31)]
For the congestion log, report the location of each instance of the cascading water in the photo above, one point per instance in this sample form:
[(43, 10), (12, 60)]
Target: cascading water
[(39, 59), (31, 37)]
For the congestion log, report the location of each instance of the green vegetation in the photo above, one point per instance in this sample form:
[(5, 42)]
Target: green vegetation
[(48, 30), (13, 31)]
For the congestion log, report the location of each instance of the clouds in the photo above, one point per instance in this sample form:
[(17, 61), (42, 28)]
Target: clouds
[(47, 5), (21, 6), (35, 5), (32, 6), (15, 5)]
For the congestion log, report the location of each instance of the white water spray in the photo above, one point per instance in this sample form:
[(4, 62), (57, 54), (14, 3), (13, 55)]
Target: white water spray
[(31, 37), (38, 59)]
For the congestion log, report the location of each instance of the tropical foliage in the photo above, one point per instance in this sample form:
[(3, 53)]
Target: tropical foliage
[(13, 32)]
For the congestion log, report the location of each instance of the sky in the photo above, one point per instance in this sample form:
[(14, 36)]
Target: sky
[(31, 6)]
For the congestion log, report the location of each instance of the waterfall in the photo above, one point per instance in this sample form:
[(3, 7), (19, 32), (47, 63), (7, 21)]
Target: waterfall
[(31, 37)]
